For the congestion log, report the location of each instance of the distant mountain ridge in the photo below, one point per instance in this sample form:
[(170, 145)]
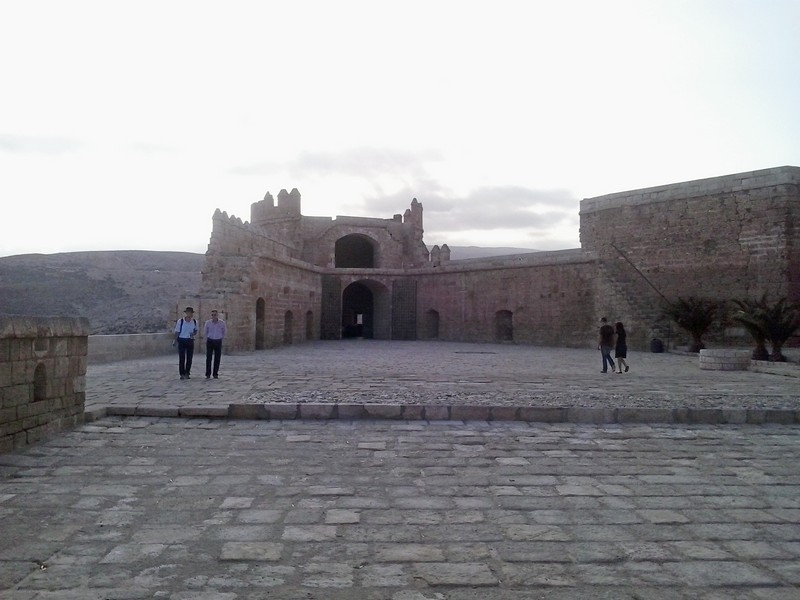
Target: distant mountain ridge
[(120, 291)]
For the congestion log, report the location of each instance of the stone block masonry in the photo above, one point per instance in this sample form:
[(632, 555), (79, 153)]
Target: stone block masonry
[(725, 359), (285, 278), (42, 377), (721, 238)]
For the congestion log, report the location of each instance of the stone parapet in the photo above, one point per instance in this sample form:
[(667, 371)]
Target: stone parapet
[(112, 348), (42, 377), (738, 182)]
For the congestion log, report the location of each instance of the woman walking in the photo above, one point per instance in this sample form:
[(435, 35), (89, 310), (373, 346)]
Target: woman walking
[(621, 349)]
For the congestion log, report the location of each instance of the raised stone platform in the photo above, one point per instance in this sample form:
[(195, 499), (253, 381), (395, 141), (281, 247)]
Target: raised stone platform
[(723, 359)]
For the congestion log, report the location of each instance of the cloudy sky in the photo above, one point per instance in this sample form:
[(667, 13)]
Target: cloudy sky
[(124, 125)]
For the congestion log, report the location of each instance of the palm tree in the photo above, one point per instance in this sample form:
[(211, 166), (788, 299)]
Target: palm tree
[(775, 323), (695, 315), (781, 320), (750, 315)]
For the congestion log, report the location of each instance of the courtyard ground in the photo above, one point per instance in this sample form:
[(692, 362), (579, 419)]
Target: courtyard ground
[(410, 509)]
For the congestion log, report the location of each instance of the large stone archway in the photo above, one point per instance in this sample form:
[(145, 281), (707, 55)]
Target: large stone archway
[(355, 251), (366, 310)]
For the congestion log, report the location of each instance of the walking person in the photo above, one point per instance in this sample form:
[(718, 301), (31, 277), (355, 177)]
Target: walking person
[(606, 343), (621, 349), (214, 332), (185, 330)]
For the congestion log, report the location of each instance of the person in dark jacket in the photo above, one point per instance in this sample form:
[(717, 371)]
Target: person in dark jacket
[(621, 349), (605, 344)]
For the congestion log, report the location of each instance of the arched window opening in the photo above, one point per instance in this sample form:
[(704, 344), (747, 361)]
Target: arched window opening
[(354, 252)]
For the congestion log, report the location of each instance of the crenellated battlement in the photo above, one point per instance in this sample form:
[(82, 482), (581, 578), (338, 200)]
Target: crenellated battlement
[(288, 206), (223, 215)]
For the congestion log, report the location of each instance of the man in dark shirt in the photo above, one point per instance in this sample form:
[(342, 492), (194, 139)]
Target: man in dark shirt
[(606, 343), (185, 330)]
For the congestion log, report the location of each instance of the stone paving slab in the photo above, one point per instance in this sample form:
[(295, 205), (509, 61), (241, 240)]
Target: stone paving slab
[(368, 379), (191, 508)]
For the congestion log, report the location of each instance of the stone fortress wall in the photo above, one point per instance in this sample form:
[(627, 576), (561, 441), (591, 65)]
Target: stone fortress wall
[(42, 377), (736, 236), (285, 278)]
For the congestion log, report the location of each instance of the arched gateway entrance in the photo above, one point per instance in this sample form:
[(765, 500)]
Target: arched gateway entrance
[(366, 308)]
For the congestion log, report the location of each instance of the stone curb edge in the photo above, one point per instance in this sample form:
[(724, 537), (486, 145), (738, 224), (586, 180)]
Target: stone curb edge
[(417, 412)]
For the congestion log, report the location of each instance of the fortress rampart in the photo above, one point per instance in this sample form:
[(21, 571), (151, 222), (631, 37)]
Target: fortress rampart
[(286, 278), (728, 237)]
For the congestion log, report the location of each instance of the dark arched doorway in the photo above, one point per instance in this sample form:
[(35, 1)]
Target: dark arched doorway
[(431, 325), (358, 311), (40, 383), (366, 310), (354, 252), (309, 325), (504, 326), (260, 324), (288, 327)]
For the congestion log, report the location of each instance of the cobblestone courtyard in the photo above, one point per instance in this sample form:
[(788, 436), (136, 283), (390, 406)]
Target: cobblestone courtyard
[(219, 509)]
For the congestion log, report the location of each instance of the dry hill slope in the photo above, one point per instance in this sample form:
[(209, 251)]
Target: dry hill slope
[(118, 291)]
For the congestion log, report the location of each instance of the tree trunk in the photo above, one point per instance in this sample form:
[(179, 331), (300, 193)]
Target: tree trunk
[(760, 352), (697, 344), (777, 355)]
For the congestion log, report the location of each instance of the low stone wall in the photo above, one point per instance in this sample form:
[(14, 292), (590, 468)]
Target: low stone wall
[(786, 369), (725, 359), (112, 348), (42, 377)]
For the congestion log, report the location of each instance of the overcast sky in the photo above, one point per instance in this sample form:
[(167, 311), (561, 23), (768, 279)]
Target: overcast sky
[(124, 125)]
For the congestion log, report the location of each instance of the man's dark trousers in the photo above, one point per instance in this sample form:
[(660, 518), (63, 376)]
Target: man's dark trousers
[(185, 354), (213, 348)]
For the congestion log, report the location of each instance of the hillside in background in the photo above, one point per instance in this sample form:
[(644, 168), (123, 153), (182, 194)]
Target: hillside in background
[(118, 291), (121, 291)]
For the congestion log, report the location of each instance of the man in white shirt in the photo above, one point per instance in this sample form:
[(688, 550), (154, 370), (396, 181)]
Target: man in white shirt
[(214, 332)]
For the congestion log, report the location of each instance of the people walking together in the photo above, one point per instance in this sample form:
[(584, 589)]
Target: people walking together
[(621, 349), (214, 332), (185, 331), (606, 343)]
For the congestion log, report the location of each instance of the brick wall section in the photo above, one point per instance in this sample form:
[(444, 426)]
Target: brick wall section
[(42, 377)]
